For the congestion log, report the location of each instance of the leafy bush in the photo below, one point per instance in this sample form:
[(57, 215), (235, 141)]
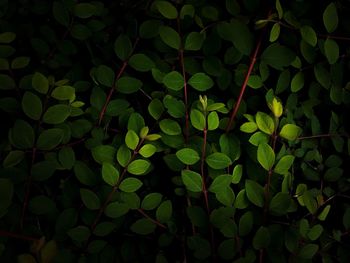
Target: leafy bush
[(174, 131)]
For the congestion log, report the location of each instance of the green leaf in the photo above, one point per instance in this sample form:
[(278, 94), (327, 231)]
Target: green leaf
[(239, 34), (331, 50), (64, 93), (84, 10), (279, 9), (7, 37), (280, 203), (141, 62), (258, 137), (213, 121), (188, 156), (245, 223), (123, 155), (262, 238), (275, 32), (297, 82), (130, 185), (116, 209), (139, 167), (248, 127), (84, 174), (123, 47), (194, 41), (164, 211), (31, 105), (7, 83), (147, 150), (151, 201), (330, 18), (322, 76), (66, 157), (278, 56), (103, 154), (13, 158), (218, 160), (290, 132), (255, 82), (176, 108), (323, 215), (104, 229), (254, 192), (197, 119), (41, 205), (20, 62), (156, 108), (174, 81), (143, 226), (61, 13), (6, 194), (131, 139), (265, 122), (40, 83), (276, 107), (308, 251), (237, 174), (90, 199), (110, 174), (150, 29), (226, 196), (170, 37), (56, 114), (128, 85), (166, 9), (266, 156), (315, 232), (283, 81), (170, 127), (201, 81), (79, 234), (22, 135), (309, 35), (220, 183), (192, 180), (284, 164), (333, 174), (105, 75), (49, 139)]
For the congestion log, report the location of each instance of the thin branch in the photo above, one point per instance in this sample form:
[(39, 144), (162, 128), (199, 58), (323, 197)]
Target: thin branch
[(245, 82), (326, 135), (151, 219), (4, 233)]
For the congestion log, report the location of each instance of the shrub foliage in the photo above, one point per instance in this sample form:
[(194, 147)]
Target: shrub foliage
[(174, 131)]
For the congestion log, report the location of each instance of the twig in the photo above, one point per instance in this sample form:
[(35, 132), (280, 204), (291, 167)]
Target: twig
[(4, 233), (151, 219)]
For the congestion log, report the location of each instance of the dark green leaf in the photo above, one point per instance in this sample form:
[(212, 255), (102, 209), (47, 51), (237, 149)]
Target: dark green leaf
[(315, 232), (141, 62), (220, 183), (143, 226), (331, 50), (151, 201), (128, 85), (13, 158), (123, 47), (308, 251), (275, 32), (194, 41), (278, 56), (7, 37), (197, 120), (22, 135), (40, 83), (174, 81), (84, 10), (188, 156), (20, 62), (105, 75), (123, 155), (170, 127), (110, 174), (262, 238), (330, 18), (104, 153), (90, 199), (266, 156), (218, 160), (254, 192), (116, 209), (156, 108), (166, 9), (297, 82), (192, 180), (41, 205), (66, 157), (84, 174), (245, 223), (139, 167), (164, 211), (56, 114), (280, 203), (6, 194), (49, 139), (201, 81), (31, 105), (170, 37), (64, 93), (309, 35), (213, 121), (130, 185), (237, 174), (61, 13)]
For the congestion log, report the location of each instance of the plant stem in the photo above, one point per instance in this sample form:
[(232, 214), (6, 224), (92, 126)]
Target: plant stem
[(245, 82), (151, 219), (4, 233), (320, 136), (111, 91)]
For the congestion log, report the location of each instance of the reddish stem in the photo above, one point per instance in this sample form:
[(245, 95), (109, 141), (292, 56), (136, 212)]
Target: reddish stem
[(204, 187), (4, 233), (151, 219)]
